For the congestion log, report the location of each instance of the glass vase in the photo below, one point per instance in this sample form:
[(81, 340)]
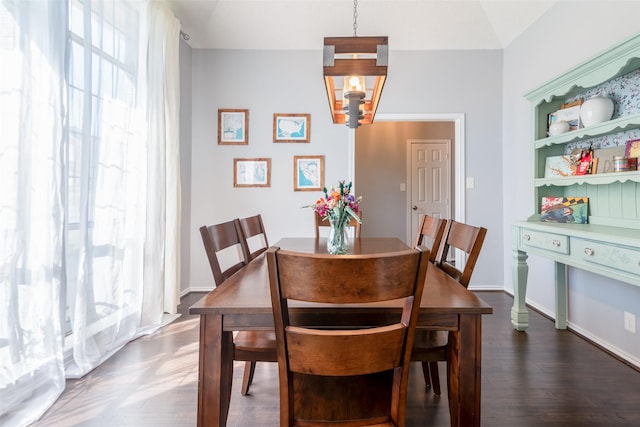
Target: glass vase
[(337, 243)]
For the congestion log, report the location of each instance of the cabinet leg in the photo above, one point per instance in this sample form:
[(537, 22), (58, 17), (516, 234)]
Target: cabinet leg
[(520, 270), (561, 295)]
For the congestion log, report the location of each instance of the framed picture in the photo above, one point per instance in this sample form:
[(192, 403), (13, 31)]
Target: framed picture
[(632, 148), (308, 173), (291, 127), (565, 209), (233, 127), (605, 158), (569, 113), (252, 172), (558, 166)]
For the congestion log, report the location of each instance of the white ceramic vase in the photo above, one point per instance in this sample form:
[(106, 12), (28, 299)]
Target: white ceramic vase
[(558, 128), (596, 109)]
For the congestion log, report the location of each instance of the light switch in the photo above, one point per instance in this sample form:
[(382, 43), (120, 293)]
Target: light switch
[(403, 186), (471, 182)]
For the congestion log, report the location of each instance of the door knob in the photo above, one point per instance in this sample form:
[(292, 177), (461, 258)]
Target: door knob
[(415, 208)]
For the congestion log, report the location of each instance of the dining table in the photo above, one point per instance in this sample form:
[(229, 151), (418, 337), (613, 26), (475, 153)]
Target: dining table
[(243, 302)]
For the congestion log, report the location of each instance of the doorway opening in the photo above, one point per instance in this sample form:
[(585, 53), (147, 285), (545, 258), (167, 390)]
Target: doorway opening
[(380, 172)]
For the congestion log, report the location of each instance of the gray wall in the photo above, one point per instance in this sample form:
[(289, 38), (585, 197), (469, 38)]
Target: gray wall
[(596, 303), (268, 82), (264, 82)]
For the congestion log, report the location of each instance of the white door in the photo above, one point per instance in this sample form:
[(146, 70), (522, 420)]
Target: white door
[(430, 180)]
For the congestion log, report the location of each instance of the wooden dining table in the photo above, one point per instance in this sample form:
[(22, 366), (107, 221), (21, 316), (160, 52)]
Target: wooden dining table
[(243, 302)]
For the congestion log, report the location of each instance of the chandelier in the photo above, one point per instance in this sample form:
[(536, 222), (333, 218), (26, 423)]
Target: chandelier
[(354, 70)]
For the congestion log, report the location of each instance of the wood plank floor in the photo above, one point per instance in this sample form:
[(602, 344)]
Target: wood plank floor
[(541, 377)]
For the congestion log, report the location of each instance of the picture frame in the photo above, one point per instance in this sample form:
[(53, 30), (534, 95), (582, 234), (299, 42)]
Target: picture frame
[(308, 173), (252, 172), (574, 210), (569, 113), (605, 158), (558, 166), (233, 127), (291, 127), (632, 148)]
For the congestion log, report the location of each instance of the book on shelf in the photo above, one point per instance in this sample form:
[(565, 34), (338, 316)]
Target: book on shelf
[(573, 210), (632, 149)]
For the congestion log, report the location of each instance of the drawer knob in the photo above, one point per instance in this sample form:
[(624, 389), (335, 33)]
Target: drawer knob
[(589, 251), (556, 243), (526, 237)]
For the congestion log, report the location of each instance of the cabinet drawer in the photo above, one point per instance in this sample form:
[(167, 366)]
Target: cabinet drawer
[(621, 258), (548, 241)]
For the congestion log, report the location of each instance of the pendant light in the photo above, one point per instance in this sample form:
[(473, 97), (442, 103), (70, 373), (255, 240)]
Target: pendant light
[(354, 70)]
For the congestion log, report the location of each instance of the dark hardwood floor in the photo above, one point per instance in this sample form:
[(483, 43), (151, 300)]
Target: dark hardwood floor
[(541, 377)]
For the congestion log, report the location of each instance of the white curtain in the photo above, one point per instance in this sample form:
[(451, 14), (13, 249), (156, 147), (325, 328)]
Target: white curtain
[(163, 202), (32, 107), (90, 217)]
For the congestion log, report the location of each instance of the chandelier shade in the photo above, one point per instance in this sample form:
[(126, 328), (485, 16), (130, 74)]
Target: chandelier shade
[(354, 70)]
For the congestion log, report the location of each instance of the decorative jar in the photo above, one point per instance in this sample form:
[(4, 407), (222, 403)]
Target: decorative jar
[(558, 128), (337, 242), (597, 109)]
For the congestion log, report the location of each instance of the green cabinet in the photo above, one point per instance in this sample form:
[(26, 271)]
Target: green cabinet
[(614, 197)]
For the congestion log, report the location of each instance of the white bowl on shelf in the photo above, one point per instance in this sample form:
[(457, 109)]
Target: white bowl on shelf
[(597, 109), (558, 128)]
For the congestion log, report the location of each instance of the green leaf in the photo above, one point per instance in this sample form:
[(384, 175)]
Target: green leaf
[(353, 214)]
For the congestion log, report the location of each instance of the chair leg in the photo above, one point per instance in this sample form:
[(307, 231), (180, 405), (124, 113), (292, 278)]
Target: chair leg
[(247, 379), (426, 375), (435, 377)]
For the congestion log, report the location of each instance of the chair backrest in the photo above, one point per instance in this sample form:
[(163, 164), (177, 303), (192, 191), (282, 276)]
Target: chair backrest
[(362, 371), (468, 239), (253, 231), (321, 222), (217, 238), (431, 228)]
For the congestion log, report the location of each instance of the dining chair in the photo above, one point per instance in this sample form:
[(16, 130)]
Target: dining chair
[(254, 236), (431, 228), (322, 222), (331, 374), (430, 347), (248, 346)]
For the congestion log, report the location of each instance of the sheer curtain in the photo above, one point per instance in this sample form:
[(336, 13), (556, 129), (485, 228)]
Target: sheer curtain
[(32, 107), (89, 218)]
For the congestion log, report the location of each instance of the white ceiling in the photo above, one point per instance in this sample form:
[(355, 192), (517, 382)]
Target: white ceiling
[(302, 24)]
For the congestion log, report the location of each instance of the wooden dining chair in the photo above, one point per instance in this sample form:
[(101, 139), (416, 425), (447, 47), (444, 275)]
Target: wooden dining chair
[(431, 228), (321, 222), (430, 347), (331, 374), (248, 346), (254, 236)]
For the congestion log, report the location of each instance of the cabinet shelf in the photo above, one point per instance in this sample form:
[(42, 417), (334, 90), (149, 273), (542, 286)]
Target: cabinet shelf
[(602, 129), (598, 179)]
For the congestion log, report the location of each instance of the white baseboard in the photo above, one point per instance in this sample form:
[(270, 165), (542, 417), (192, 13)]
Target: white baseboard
[(629, 358), (583, 333), (486, 288), (195, 289)]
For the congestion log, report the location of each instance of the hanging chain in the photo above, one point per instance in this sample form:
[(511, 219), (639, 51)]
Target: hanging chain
[(355, 18)]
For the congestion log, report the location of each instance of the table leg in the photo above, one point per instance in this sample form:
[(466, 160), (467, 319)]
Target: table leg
[(463, 372), (215, 372)]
